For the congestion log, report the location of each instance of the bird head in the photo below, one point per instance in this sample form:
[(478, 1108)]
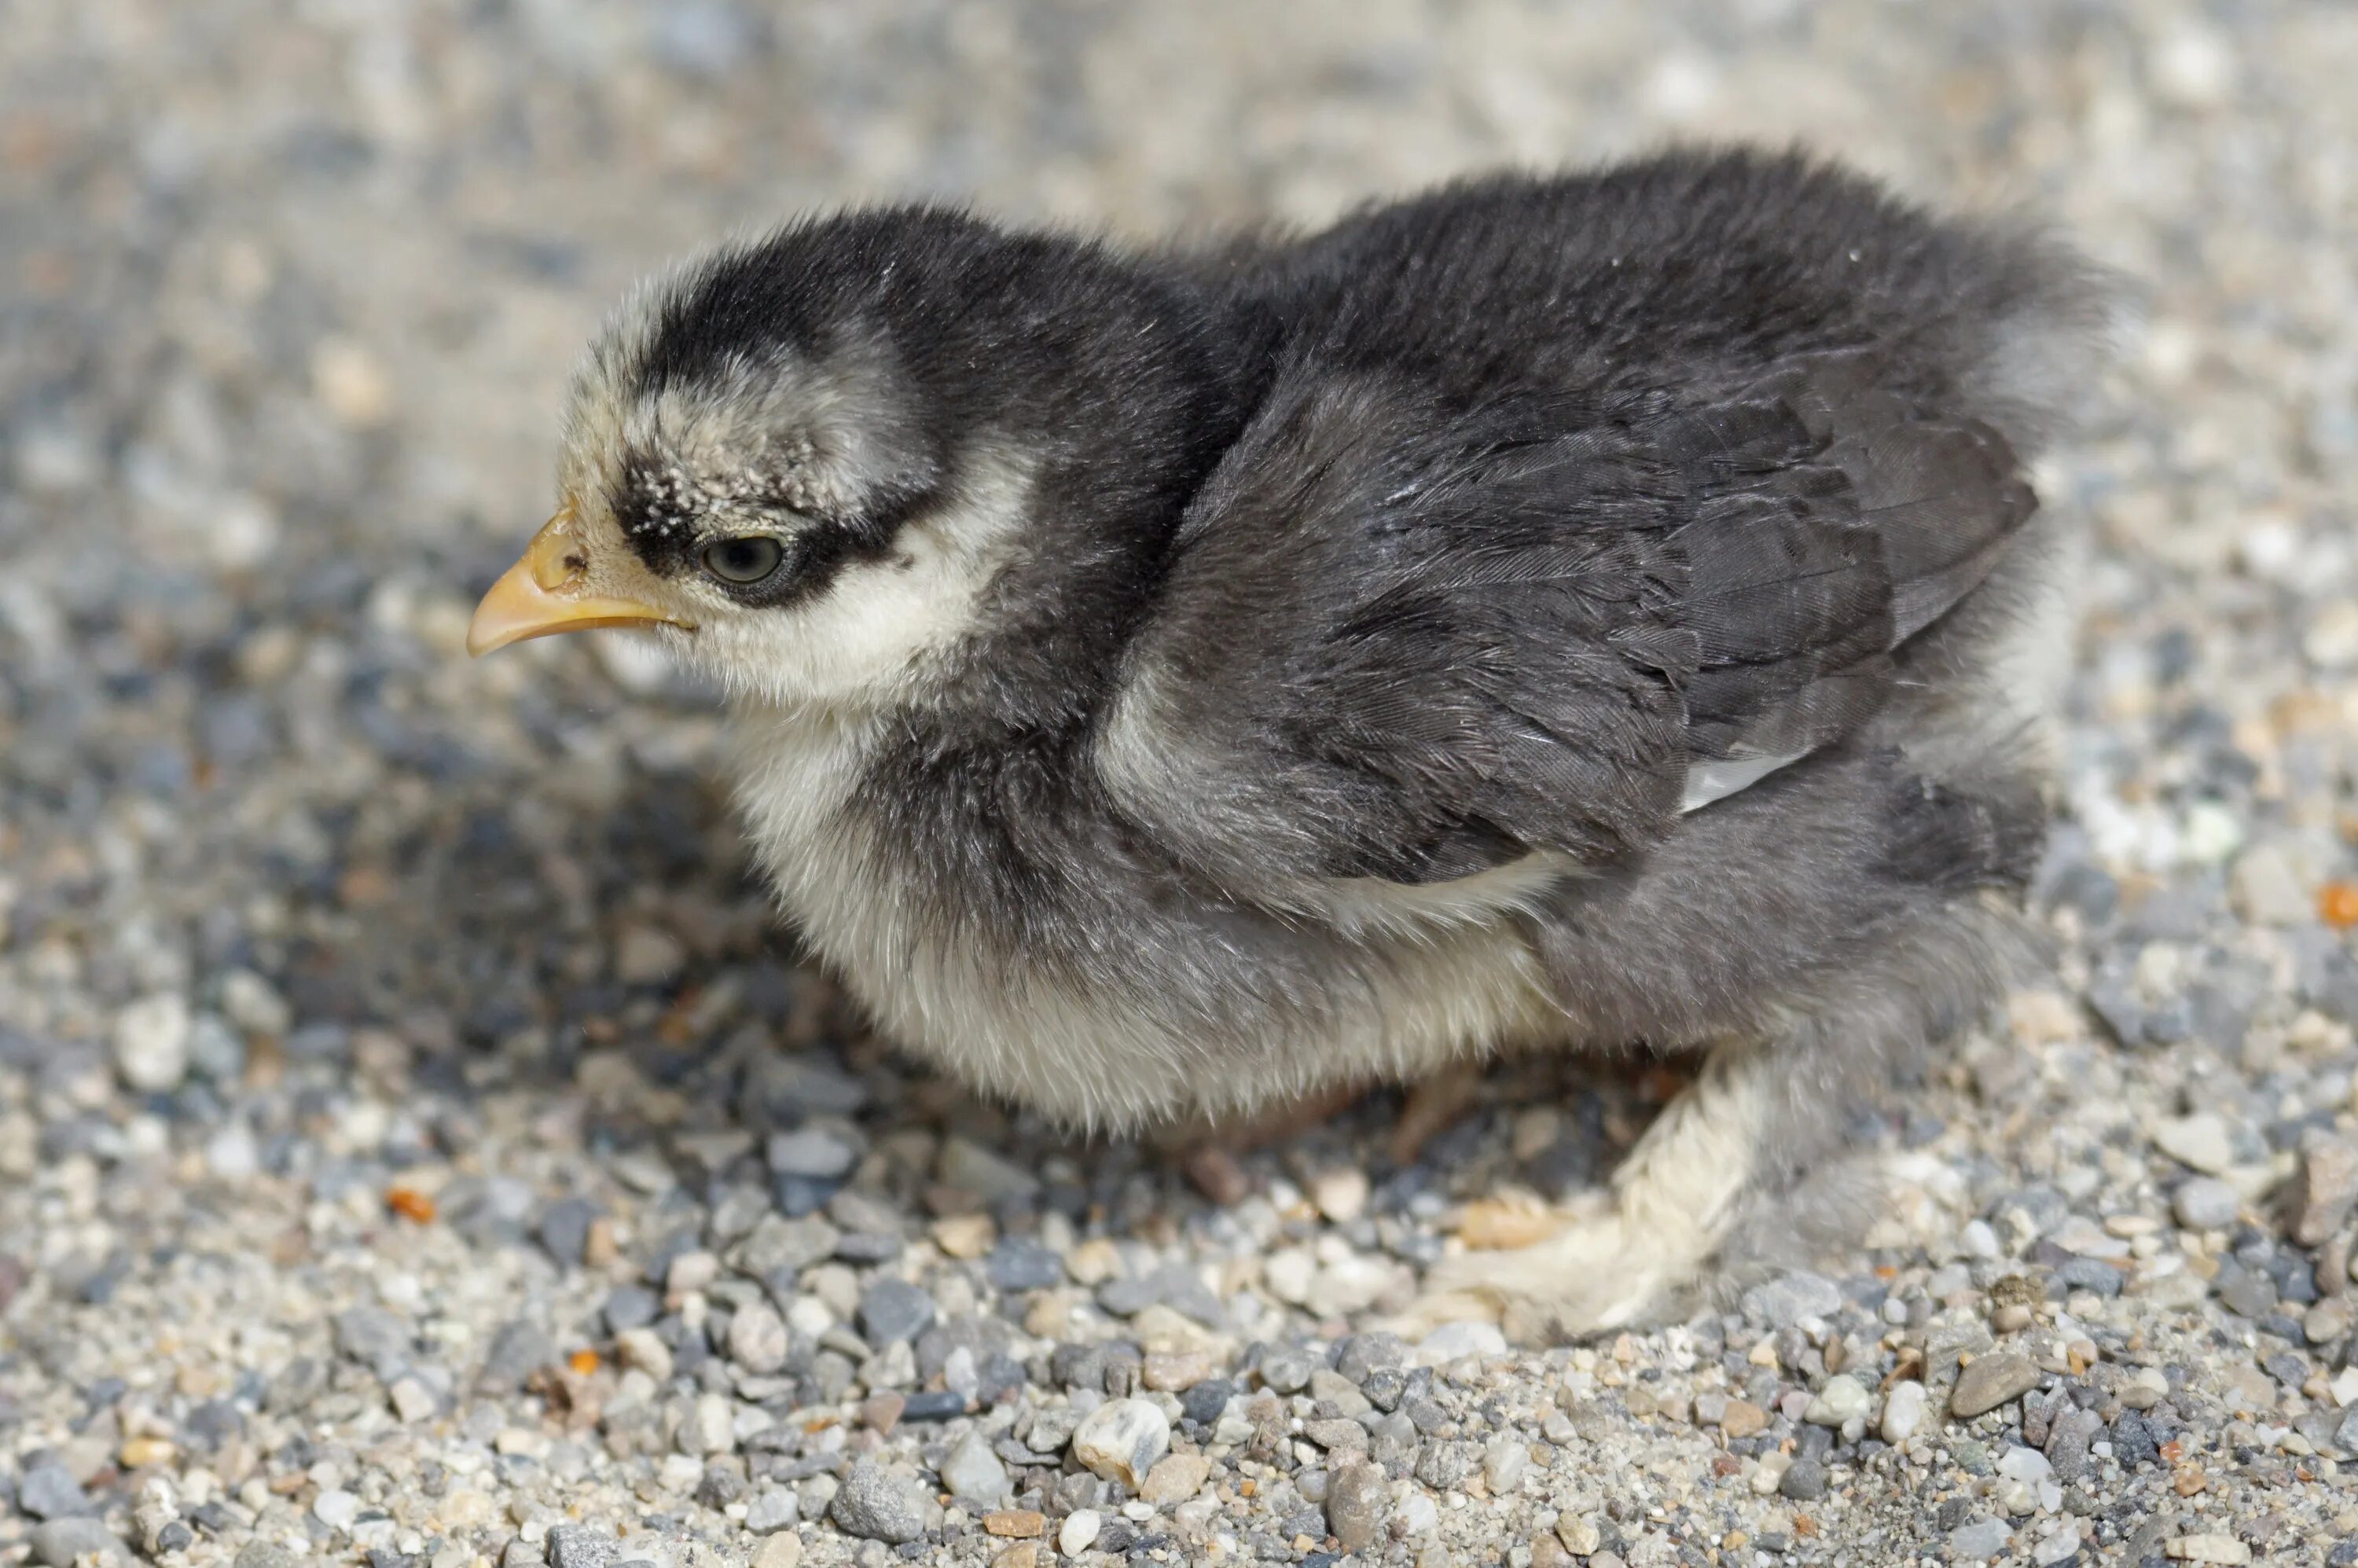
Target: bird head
[(819, 464), (750, 470)]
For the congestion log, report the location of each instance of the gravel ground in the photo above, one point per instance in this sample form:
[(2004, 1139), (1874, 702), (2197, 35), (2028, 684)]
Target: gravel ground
[(418, 1144)]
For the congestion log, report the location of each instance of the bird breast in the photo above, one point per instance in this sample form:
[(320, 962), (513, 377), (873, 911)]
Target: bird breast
[(1221, 1015)]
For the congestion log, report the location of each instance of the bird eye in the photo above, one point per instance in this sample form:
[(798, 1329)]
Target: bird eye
[(748, 558)]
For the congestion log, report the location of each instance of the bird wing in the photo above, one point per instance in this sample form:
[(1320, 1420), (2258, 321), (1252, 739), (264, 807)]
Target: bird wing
[(1411, 642)]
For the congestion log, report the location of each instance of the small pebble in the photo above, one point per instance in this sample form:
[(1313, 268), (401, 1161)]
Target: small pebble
[(151, 1042), (1122, 1439), (1078, 1532), (1990, 1382), (878, 1504), (1903, 1411), (1341, 1195), (1358, 1505)]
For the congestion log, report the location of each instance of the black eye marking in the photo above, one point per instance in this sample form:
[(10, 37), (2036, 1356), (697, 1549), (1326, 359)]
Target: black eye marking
[(745, 559)]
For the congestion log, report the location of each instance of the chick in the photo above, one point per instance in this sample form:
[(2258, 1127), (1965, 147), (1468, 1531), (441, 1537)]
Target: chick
[(1597, 612)]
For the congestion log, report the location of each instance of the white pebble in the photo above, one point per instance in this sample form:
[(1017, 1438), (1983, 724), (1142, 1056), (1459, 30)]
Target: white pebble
[(1122, 1439), (254, 1004), (1844, 1399), (232, 1154), (1341, 1195), (151, 1042), (1903, 1411), (1288, 1275), (1348, 1285), (1079, 1531), (1503, 1464), (711, 1427), (2331, 640), (2194, 69), (1455, 1341), (2056, 1548), (2200, 1140), (2026, 1464)]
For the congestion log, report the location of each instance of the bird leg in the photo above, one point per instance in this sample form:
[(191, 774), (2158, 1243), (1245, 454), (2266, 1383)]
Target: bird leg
[(1280, 1123), (1207, 1152), (1433, 1105), (1619, 1257)]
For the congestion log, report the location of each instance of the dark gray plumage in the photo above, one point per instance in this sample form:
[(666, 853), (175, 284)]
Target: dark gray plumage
[(1603, 610)]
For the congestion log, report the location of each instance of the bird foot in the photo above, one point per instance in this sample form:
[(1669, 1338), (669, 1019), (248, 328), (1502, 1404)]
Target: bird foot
[(1595, 1272), (1613, 1259)]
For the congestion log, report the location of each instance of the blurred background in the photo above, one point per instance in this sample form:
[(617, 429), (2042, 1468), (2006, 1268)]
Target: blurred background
[(288, 296)]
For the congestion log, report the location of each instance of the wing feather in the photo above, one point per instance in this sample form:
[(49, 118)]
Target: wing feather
[(1414, 642)]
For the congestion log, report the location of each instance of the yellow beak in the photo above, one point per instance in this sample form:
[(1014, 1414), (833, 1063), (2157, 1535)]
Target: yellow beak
[(546, 592)]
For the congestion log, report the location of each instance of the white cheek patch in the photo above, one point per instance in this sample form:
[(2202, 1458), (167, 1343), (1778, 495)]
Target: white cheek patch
[(869, 638)]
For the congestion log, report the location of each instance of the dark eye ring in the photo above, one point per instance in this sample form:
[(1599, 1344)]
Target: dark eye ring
[(746, 558)]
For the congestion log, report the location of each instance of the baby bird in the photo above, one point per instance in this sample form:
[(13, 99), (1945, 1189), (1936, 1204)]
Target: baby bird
[(1599, 612)]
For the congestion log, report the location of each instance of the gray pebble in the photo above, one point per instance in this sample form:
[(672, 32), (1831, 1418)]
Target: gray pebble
[(810, 1151), (2248, 1292), (1430, 1415), (969, 1167), (1393, 1438), (1385, 1390), (48, 1490), (2090, 1274), (876, 1504), (1020, 1263), (2068, 1442), (629, 1306), (1287, 1371), (266, 1554), (782, 1246), (62, 1543), (758, 1340), (2133, 1440), (1052, 1427), (1358, 1505), (2206, 1203), (1782, 1303), (1992, 1380), (372, 1336), (859, 1213), (1804, 1481), (894, 1310), (1445, 1466), (1980, 1539), (1174, 1285), (564, 1228), (518, 1349), (580, 1546), (773, 1509), (1364, 1353), (972, 1470)]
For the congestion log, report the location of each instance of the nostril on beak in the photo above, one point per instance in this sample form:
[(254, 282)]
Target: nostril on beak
[(555, 559)]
